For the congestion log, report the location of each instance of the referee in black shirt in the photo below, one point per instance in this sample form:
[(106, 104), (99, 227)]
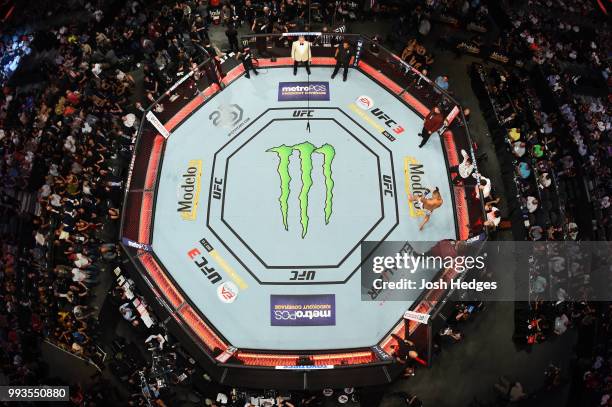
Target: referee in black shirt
[(247, 61), (343, 58)]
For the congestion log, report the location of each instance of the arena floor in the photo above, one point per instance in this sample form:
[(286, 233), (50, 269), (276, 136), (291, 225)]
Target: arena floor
[(262, 204)]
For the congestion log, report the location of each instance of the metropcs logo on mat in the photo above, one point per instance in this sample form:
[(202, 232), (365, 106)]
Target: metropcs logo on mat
[(365, 104), (303, 91), (189, 190), (306, 151), (303, 310)]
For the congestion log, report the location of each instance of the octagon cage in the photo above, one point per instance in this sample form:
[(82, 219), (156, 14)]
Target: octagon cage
[(286, 369)]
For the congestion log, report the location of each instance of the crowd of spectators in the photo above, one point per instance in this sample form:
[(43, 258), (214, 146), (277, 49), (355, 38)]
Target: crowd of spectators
[(534, 155), (570, 54), (65, 146), (414, 18), (594, 363), (590, 367), (13, 48)]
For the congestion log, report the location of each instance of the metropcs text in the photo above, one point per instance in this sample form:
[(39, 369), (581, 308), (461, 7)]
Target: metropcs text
[(411, 263)]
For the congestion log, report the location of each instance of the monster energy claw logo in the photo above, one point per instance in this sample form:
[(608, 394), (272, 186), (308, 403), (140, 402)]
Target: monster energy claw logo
[(306, 150)]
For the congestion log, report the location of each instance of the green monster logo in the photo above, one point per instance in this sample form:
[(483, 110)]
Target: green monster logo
[(306, 150)]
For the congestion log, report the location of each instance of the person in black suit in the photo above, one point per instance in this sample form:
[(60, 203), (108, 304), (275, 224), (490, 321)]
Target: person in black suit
[(247, 62), (343, 58)]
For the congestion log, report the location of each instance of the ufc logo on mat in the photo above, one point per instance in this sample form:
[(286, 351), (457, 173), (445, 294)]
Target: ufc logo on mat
[(303, 113)]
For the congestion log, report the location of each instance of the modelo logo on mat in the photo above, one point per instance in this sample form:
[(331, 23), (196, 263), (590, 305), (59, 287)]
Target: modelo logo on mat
[(189, 190), (413, 173), (303, 310), (292, 91)]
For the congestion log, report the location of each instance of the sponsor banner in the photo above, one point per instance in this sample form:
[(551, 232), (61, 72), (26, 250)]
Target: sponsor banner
[(136, 245), (157, 124), (189, 190), (451, 116), (292, 91), (228, 353), (380, 353), (303, 310), (305, 367), (416, 316)]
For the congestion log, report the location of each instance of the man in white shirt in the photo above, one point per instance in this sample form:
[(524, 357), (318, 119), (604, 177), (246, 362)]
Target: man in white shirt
[(301, 53), (493, 217), (82, 261), (484, 185), (464, 169), (518, 148), (79, 275), (532, 204), (544, 180)]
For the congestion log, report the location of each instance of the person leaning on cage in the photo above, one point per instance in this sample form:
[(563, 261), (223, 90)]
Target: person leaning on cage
[(301, 53), (247, 61), (343, 58)]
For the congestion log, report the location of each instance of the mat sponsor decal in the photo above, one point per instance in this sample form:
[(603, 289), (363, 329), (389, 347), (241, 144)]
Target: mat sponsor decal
[(414, 172), (226, 115), (227, 354), (387, 120), (416, 316), (229, 116), (292, 91), (203, 264), (227, 291), (306, 151), (376, 117), (303, 113), (364, 102), (303, 310), (189, 190)]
